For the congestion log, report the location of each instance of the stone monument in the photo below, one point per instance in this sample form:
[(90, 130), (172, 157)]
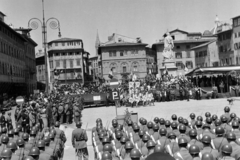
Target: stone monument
[(168, 56)]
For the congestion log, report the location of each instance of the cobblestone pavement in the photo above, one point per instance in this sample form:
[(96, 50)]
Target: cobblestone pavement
[(162, 110)]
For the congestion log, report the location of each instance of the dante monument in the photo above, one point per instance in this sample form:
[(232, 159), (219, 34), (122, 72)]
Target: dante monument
[(168, 46)]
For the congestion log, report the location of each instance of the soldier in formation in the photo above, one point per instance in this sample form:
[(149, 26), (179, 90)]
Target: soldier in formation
[(208, 138)]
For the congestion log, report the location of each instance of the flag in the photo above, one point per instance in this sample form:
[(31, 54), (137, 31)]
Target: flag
[(110, 75)]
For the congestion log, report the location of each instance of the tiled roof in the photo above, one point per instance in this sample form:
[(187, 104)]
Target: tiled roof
[(202, 45)]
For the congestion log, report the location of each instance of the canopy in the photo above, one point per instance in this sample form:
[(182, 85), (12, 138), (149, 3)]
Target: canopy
[(213, 70)]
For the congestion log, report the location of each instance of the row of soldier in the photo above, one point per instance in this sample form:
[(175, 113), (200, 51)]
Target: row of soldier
[(209, 139), (46, 144)]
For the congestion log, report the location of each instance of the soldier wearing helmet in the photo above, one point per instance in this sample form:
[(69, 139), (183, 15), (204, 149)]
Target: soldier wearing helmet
[(155, 135), (43, 154), (106, 156), (207, 156), (4, 142), (175, 130), (194, 151), (182, 130), (109, 148), (163, 140), (172, 147), (162, 123), (135, 135), (158, 148), (135, 154), (79, 141), (125, 152), (225, 124), (227, 113), (220, 140), (174, 118), (150, 146), (207, 148), (167, 125), (231, 137), (235, 126), (6, 154), (186, 123), (226, 151), (144, 150), (193, 121), (143, 125), (156, 120), (207, 131), (34, 153), (51, 151), (183, 152), (21, 152), (193, 137), (13, 147)]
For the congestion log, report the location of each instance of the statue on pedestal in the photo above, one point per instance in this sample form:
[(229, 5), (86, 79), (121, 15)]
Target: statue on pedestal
[(168, 46)]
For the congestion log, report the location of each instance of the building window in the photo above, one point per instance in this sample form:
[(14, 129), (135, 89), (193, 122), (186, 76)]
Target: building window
[(77, 53), (114, 54), (64, 63), (71, 63), (70, 53), (235, 22), (188, 47), (135, 68), (56, 44), (56, 54), (51, 64), (178, 47), (178, 55), (58, 63), (179, 65), (121, 53), (124, 69), (63, 44), (188, 54), (238, 21), (238, 34), (189, 64), (125, 53), (63, 54), (110, 54), (78, 62)]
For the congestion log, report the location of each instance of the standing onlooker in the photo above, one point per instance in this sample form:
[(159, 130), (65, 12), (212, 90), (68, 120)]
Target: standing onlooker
[(221, 86)]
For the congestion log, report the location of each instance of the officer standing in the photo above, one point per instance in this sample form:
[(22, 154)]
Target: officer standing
[(79, 139)]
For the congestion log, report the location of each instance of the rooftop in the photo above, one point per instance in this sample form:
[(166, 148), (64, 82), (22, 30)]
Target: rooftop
[(187, 41), (65, 40), (124, 44), (2, 13)]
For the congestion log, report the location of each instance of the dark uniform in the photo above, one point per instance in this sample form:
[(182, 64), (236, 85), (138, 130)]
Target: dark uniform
[(60, 114), (67, 112), (77, 114)]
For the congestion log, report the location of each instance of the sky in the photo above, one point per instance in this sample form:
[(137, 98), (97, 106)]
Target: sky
[(148, 19)]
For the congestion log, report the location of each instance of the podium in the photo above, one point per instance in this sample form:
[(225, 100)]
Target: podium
[(171, 67)]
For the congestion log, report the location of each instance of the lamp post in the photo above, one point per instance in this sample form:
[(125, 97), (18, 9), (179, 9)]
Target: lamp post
[(54, 24)]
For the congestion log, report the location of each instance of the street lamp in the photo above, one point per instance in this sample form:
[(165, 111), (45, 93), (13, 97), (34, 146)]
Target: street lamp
[(54, 24)]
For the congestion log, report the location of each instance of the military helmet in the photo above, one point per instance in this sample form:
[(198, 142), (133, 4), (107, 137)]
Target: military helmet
[(149, 124), (19, 127), (182, 141), (79, 124), (199, 118), (219, 130), (194, 149), (118, 134), (167, 123), (12, 145), (206, 139), (6, 153), (217, 122), (198, 123), (235, 124), (106, 139), (182, 128), (34, 151), (135, 153), (4, 139), (124, 139), (136, 127), (41, 144), (3, 130), (25, 136), (192, 116), (227, 109), (224, 119), (207, 156), (108, 148), (227, 148), (180, 119), (174, 125), (102, 135), (233, 115), (172, 135), (129, 145), (10, 133), (162, 121), (144, 122), (51, 135), (33, 133), (46, 140), (163, 131), (207, 114), (20, 142), (158, 148), (150, 143), (174, 117), (98, 120), (156, 119), (57, 124), (155, 127), (145, 138), (214, 117), (106, 156), (209, 120), (231, 136), (193, 133), (140, 120), (185, 122), (28, 158)]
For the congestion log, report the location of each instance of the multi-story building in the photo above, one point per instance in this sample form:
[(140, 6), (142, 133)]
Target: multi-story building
[(17, 49), (183, 42), (95, 70), (236, 39), (68, 55), (40, 70), (123, 55)]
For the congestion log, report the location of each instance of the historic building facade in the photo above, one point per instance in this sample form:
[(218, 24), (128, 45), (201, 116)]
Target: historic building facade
[(122, 56), (183, 42), (17, 62), (95, 69), (236, 39), (68, 56)]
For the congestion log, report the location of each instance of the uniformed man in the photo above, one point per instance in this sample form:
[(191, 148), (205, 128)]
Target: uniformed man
[(182, 130), (51, 151), (43, 155), (194, 152), (77, 113), (215, 92), (227, 112), (183, 153), (194, 141), (193, 121), (207, 156), (60, 113), (167, 125), (220, 140), (67, 112), (163, 140), (2, 120), (172, 147), (21, 152), (125, 151), (226, 152), (225, 124), (9, 121), (231, 137), (6, 154), (135, 154), (34, 153), (4, 142), (235, 126), (207, 148), (79, 139)]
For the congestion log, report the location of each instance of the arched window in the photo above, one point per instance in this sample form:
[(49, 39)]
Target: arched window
[(135, 66), (124, 67)]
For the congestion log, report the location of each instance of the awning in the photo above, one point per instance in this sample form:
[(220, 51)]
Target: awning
[(213, 70)]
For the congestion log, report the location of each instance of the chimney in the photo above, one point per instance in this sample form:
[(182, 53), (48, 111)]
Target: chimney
[(139, 40), (2, 15)]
